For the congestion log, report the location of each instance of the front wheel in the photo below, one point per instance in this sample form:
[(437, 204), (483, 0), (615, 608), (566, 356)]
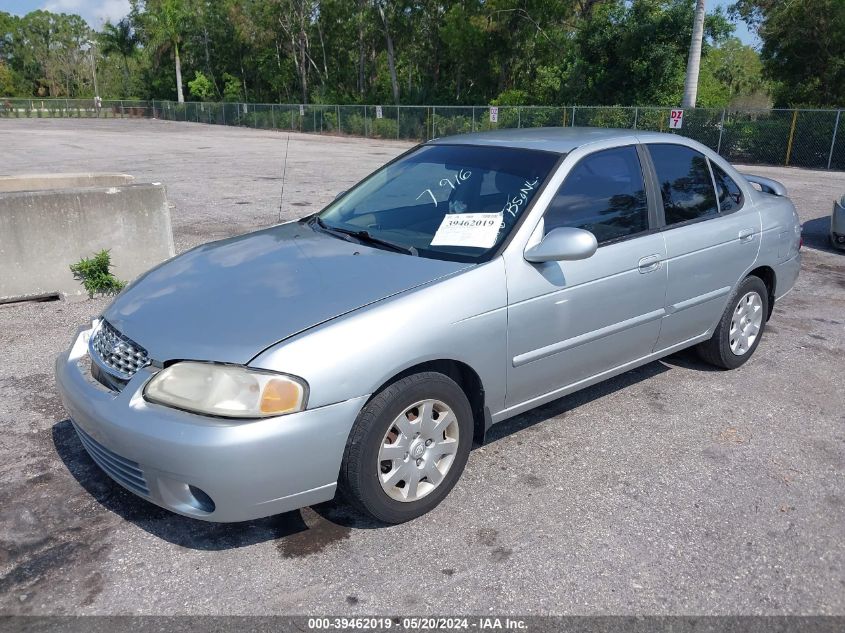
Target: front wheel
[(740, 328), (407, 448)]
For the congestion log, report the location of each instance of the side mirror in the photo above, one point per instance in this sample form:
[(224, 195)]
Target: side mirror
[(563, 244)]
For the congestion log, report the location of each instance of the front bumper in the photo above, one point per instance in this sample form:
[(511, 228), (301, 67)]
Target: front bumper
[(249, 469)]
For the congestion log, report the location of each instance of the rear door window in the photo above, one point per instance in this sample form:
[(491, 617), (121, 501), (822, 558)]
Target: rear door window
[(604, 194), (685, 183)]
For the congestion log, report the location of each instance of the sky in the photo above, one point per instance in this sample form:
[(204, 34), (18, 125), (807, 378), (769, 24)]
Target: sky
[(96, 12)]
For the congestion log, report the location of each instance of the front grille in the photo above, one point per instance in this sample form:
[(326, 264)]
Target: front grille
[(122, 470), (116, 353)]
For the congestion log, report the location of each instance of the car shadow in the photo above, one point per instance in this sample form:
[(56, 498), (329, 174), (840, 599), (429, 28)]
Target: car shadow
[(573, 401), (689, 359), (301, 532), (816, 234)]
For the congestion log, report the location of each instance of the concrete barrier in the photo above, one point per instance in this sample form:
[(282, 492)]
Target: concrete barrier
[(40, 182), (43, 232)]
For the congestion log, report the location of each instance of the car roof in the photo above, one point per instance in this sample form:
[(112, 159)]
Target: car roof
[(554, 139)]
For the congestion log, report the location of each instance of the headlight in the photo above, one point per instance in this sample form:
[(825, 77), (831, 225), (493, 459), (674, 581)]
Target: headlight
[(229, 391)]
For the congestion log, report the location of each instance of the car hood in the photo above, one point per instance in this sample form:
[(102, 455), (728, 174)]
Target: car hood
[(227, 301)]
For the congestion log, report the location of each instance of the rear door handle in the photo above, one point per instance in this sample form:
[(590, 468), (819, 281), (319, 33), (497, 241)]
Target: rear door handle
[(746, 235), (649, 263)]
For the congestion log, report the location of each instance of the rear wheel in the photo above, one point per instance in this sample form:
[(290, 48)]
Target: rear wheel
[(407, 448), (740, 328)]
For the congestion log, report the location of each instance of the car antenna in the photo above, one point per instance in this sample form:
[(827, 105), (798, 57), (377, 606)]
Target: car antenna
[(284, 174)]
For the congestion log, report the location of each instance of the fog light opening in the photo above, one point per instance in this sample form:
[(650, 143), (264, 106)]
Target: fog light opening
[(200, 500)]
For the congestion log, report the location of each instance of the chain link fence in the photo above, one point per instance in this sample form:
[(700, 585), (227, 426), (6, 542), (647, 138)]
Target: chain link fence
[(800, 138)]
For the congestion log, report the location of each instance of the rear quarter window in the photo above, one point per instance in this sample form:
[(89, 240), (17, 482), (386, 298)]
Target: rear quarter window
[(727, 191)]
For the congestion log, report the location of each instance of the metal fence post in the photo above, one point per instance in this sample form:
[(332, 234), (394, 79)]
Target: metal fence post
[(573, 116), (721, 131), (518, 117), (473, 118), (791, 136), (833, 140), (433, 115), (397, 122)]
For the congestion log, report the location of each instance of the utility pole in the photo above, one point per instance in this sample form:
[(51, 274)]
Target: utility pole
[(694, 60)]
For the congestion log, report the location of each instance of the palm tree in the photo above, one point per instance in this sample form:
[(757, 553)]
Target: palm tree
[(694, 60), (120, 38), (164, 24)]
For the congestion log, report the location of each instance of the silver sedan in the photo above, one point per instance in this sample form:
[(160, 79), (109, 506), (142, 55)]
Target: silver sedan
[(365, 348)]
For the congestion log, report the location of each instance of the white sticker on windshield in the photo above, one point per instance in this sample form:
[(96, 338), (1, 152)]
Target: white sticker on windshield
[(468, 229)]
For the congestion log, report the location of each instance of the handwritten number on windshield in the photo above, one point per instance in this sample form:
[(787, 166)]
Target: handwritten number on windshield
[(453, 181)]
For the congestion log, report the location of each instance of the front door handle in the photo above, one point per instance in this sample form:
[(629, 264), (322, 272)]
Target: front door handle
[(746, 235), (649, 263)]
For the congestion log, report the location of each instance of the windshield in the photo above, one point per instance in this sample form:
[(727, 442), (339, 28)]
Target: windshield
[(455, 202)]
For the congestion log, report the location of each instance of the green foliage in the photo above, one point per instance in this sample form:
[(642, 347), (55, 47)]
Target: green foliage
[(231, 88), (201, 87), (446, 125), (353, 124), (503, 52), (635, 53), (121, 40), (95, 274), (512, 97), (48, 52), (9, 81), (803, 48), (384, 128), (731, 74)]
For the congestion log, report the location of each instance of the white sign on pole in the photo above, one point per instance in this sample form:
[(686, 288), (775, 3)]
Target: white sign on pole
[(379, 113), (676, 119), (301, 110), (494, 115)]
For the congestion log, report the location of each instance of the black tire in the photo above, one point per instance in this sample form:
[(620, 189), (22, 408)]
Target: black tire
[(359, 480), (717, 350)]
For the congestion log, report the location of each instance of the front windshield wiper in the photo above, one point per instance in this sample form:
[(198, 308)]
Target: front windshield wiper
[(365, 237)]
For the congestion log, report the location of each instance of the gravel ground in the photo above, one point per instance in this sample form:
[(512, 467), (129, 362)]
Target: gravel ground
[(672, 489)]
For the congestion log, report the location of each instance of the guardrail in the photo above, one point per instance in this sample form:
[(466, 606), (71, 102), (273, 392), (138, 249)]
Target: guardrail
[(796, 137)]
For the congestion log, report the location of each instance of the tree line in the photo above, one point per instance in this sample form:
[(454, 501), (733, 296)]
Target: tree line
[(502, 52)]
